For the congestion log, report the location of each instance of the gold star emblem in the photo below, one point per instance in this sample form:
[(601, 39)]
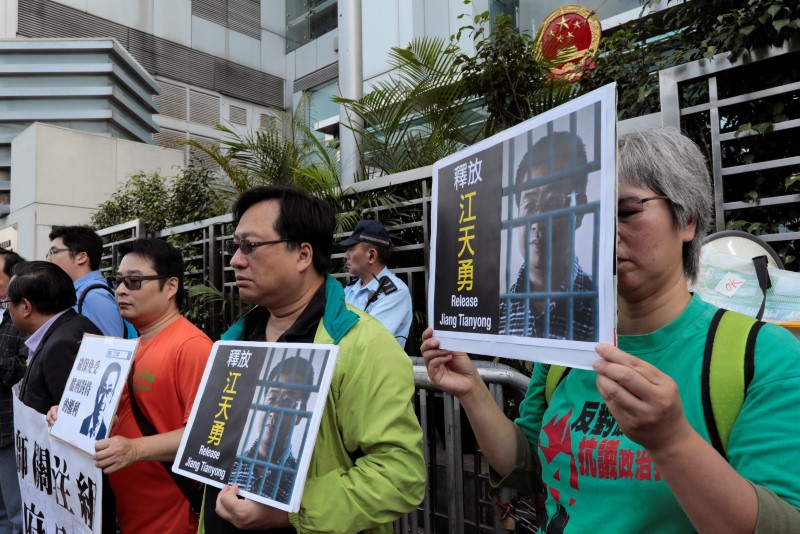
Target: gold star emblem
[(570, 36), (560, 39), (576, 23), (552, 33), (563, 23)]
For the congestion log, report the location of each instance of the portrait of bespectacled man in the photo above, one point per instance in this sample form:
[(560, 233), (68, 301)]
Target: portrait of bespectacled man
[(268, 459), (548, 289), (94, 425)]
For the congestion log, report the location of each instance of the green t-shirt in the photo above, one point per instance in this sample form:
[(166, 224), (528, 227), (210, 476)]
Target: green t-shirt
[(599, 480)]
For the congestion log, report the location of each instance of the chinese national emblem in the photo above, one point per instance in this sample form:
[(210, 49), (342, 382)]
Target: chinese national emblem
[(570, 27)]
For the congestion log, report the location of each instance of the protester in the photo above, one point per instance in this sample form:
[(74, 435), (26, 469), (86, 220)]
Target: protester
[(40, 300), (157, 400), (376, 289), (78, 250), (367, 467), (13, 354), (550, 267), (625, 448)]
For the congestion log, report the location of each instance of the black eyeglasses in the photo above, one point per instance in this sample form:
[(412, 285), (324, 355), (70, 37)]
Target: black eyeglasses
[(247, 246), (53, 251), (4, 303), (286, 400), (134, 281), (628, 207), (533, 203)]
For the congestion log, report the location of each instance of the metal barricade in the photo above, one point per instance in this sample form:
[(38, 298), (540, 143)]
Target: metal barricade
[(456, 496)]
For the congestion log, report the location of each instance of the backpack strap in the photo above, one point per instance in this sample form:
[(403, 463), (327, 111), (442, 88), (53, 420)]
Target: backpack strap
[(126, 334), (191, 489), (728, 367), (555, 375), (90, 288)]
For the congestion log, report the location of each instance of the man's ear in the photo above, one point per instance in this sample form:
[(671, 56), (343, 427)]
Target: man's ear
[(81, 258), (302, 408), (26, 307), (171, 285), (305, 257), (580, 199)]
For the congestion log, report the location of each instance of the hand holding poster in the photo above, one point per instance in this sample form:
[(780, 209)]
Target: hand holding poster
[(93, 391), (523, 238), (256, 418)]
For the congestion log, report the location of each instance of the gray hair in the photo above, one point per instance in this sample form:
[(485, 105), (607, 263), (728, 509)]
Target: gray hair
[(667, 162)]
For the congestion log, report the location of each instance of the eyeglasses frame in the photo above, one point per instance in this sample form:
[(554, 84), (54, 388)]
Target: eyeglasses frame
[(52, 251), (246, 247), (117, 280)]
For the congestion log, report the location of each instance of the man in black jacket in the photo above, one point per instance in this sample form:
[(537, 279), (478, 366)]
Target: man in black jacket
[(40, 300), (13, 354)]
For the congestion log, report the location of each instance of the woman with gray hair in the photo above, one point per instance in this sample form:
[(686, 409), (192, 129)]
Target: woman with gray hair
[(627, 447)]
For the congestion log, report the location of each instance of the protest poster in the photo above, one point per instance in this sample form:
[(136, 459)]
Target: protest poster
[(523, 235), (60, 486), (93, 390), (256, 418)]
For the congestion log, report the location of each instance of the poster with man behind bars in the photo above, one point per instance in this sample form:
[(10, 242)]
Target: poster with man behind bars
[(523, 230), (256, 418)]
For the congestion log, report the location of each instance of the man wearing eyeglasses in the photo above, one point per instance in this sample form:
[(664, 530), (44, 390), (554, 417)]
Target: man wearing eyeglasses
[(78, 250), (367, 467), (547, 245), (40, 300), (274, 431), (157, 399)]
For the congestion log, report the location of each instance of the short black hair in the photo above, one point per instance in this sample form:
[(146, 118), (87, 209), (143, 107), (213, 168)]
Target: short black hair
[(294, 366), (46, 286), (12, 258), (163, 257), (564, 149), (303, 218), (81, 239)]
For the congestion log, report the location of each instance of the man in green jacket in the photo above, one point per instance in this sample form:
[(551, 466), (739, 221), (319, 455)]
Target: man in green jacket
[(367, 468)]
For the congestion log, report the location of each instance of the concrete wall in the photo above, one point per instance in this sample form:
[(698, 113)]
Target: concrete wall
[(60, 176), (8, 19)]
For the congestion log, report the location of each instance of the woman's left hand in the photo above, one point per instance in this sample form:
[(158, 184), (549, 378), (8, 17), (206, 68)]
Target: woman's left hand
[(643, 400)]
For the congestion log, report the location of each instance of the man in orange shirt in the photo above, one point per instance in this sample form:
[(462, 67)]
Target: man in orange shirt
[(157, 400)]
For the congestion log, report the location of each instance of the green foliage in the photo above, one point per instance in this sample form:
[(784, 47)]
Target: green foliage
[(509, 72), (735, 26), (627, 58), (287, 153), (272, 155), (420, 114), (633, 54), (160, 201)]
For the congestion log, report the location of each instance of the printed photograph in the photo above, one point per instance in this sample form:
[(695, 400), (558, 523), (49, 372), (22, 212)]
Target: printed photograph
[(523, 228), (549, 249), (256, 419)]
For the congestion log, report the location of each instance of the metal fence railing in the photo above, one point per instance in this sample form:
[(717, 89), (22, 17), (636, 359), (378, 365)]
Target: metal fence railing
[(457, 497), (741, 114)]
